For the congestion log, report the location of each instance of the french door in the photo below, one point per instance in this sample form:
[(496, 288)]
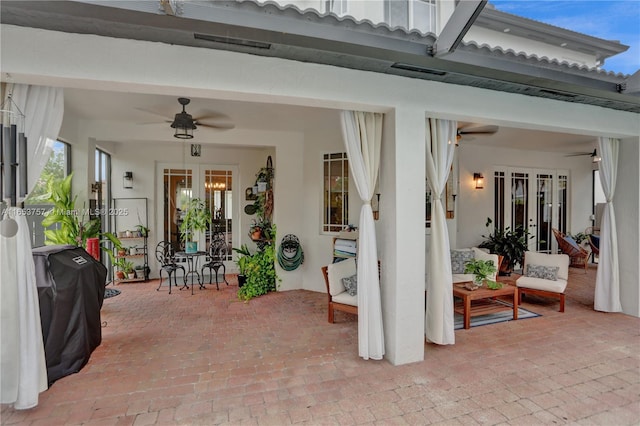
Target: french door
[(211, 183), (534, 199)]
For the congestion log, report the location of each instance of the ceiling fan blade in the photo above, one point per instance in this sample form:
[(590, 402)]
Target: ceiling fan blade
[(148, 111), (146, 123), (579, 154), (479, 130), (220, 126)]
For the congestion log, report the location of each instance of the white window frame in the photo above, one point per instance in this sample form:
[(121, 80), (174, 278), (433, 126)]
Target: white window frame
[(326, 228)]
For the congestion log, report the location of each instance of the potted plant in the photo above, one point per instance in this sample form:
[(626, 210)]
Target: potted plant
[(71, 229), (128, 269), (143, 231), (196, 219), (511, 244), (243, 263), (120, 265), (481, 270)]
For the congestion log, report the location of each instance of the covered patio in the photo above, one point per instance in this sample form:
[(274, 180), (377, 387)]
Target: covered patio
[(211, 359)]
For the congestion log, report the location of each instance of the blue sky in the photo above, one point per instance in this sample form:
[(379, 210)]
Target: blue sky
[(606, 19)]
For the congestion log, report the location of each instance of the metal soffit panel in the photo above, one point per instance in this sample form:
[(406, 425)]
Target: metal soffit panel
[(288, 33)]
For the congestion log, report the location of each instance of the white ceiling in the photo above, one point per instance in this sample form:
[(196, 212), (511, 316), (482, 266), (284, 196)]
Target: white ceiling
[(142, 109)]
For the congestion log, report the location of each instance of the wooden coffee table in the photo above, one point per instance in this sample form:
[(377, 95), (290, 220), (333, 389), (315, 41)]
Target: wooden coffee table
[(484, 301)]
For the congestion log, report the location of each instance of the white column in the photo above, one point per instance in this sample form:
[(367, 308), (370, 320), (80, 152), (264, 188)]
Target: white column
[(401, 234), (627, 200)]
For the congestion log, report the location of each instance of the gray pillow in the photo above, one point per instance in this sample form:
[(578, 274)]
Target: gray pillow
[(459, 258), (544, 272), (351, 284)]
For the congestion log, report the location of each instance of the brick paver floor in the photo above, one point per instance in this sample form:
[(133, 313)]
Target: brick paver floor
[(210, 359)]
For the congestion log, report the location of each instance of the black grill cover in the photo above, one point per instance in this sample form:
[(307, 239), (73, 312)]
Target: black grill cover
[(71, 287)]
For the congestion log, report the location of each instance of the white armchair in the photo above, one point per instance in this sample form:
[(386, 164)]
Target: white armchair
[(544, 275)]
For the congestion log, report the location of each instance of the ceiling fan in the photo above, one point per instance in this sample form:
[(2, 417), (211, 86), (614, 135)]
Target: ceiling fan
[(484, 130), (184, 123), (593, 154)]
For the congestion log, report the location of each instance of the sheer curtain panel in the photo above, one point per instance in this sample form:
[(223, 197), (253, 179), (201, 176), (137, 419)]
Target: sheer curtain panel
[(440, 140), (362, 133), (43, 108), (607, 297)]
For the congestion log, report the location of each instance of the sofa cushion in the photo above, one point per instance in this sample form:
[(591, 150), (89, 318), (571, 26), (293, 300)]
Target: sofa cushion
[(337, 271), (542, 284), (544, 272), (345, 299), (351, 284), (458, 259), (460, 278)]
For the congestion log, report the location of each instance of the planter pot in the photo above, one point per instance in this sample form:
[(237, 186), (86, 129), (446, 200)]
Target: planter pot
[(120, 275), (191, 246), (256, 235), (241, 280), (262, 186), (131, 276)]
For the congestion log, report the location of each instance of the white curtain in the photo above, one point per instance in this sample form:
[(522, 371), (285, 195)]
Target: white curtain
[(23, 369), (440, 139), (362, 133), (43, 108), (607, 297)]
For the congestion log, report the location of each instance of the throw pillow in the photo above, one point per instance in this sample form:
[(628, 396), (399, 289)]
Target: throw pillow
[(572, 242), (544, 272), (351, 284), (459, 258)]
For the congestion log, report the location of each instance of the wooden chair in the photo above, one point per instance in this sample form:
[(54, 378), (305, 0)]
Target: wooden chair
[(338, 298), (578, 256), (529, 283)]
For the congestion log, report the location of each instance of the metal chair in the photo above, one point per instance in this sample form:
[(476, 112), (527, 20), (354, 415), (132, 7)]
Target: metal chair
[(216, 258), (165, 255)]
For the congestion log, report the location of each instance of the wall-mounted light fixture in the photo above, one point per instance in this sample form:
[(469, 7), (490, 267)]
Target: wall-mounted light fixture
[(127, 180), (375, 206), (479, 180)]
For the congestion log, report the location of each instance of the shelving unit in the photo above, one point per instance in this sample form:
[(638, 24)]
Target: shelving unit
[(127, 214), (345, 246)]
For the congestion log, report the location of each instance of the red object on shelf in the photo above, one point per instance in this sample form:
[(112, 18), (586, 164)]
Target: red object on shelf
[(93, 247)]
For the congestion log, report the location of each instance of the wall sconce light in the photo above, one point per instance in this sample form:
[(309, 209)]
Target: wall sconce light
[(375, 206), (479, 180), (127, 180)]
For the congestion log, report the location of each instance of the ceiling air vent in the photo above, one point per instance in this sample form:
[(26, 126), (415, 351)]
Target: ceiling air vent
[(417, 68), (231, 40), (559, 94)]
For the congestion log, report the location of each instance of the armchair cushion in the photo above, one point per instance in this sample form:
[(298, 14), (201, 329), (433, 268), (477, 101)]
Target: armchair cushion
[(345, 299), (336, 272), (544, 259), (572, 242), (557, 286), (545, 272), (351, 284)]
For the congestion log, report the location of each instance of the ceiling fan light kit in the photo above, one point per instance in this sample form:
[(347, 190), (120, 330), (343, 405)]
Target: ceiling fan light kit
[(183, 122)]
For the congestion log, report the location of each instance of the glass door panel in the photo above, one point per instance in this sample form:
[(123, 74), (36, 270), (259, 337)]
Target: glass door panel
[(178, 190), (544, 214), (219, 197)]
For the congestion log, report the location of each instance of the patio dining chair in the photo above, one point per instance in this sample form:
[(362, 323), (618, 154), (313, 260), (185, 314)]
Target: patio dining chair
[(165, 255), (579, 257), (216, 258)]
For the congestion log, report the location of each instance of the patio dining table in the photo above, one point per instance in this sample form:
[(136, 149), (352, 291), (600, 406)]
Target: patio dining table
[(192, 266)]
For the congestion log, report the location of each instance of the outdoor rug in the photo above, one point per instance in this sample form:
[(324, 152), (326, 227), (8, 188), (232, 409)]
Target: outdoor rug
[(111, 292), (506, 315)]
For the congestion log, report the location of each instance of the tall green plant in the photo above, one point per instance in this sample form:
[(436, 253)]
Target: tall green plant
[(196, 219), (261, 274), (70, 226), (511, 244)]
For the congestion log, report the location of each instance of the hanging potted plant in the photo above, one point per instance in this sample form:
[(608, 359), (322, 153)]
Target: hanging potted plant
[(196, 219)]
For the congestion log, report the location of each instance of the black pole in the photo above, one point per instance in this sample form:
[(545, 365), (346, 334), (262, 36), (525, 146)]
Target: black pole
[(2, 140), (13, 164), (22, 162)]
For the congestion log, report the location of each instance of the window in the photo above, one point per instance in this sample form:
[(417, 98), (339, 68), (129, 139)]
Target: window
[(339, 7), (58, 167), (100, 202), (336, 192), (423, 15)]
